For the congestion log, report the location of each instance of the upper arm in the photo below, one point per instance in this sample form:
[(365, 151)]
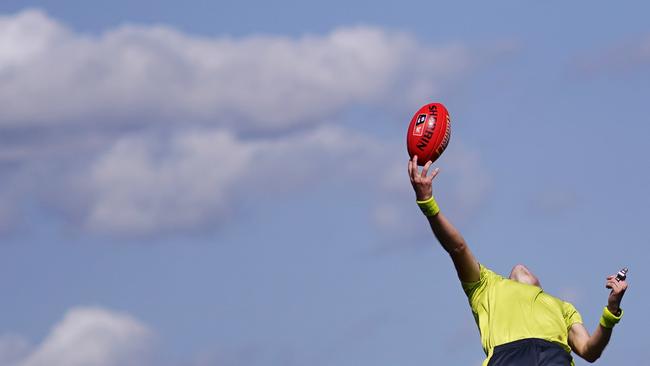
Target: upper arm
[(466, 264), (453, 242), (578, 339), (478, 291)]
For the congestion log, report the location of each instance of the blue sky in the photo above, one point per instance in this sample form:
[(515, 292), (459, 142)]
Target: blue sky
[(224, 184)]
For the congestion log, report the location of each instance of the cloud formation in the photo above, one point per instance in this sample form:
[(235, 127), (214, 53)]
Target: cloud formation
[(13, 348), (86, 336), (145, 75), (145, 129), (142, 184)]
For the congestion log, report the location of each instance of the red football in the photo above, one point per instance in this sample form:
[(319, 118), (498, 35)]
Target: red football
[(428, 133)]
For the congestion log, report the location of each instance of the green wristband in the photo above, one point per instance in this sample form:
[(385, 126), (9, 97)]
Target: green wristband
[(429, 207), (609, 320)]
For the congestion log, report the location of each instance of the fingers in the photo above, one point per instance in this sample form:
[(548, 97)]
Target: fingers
[(425, 170), (609, 283), (434, 173), (615, 286), (424, 174), (413, 167)]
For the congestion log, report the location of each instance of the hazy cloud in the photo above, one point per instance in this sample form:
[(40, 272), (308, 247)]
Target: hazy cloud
[(185, 181), (13, 348), (624, 57), (554, 200), (92, 336), (188, 180)]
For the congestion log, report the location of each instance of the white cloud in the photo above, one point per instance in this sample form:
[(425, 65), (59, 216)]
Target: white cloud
[(26, 36), (12, 349), (140, 184), (93, 336), (184, 181), (214, 116), (147, 75)]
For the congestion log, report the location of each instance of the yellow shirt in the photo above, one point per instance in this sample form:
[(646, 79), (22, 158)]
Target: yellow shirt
[(507, 311)]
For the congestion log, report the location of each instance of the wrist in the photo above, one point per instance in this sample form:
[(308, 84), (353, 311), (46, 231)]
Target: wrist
[(428, 206), (608, 319), (614, 309), (424, 197)]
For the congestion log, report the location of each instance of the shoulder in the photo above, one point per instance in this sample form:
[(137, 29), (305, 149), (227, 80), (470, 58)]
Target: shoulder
[(487, 278), (571, 314), (568, 307), (488, 274)]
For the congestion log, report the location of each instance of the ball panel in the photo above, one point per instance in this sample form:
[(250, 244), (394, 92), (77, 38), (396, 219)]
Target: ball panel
[(421, 133), (447, 136), (443, 132), (439, 130)]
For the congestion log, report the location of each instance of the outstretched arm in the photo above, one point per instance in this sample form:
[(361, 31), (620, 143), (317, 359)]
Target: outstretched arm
[(449, 237), (590, 347)]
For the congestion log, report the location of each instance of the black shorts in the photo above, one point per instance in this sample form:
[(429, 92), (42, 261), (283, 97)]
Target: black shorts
[(530, 352)]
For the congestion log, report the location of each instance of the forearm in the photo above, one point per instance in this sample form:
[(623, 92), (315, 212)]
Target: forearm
[(597, 343), (448, 236), (453, 242), (599, 339), (590, 347)]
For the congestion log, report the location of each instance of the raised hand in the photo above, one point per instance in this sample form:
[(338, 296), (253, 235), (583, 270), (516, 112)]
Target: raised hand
[(421, 181), (618, 288)]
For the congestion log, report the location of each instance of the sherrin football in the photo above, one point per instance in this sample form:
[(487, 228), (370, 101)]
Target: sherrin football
[(428, 133)]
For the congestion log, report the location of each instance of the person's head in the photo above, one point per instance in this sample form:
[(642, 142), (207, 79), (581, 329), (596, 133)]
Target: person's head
[(521, 273)]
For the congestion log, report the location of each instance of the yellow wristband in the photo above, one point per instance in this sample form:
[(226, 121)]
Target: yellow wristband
[(429, 207), (609, 320)]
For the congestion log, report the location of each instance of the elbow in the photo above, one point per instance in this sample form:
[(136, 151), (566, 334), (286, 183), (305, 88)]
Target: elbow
[(458, 248), (591, 358)]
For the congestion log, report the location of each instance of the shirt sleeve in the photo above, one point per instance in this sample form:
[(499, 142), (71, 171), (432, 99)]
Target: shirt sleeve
[(571, 315), (476, 291)]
